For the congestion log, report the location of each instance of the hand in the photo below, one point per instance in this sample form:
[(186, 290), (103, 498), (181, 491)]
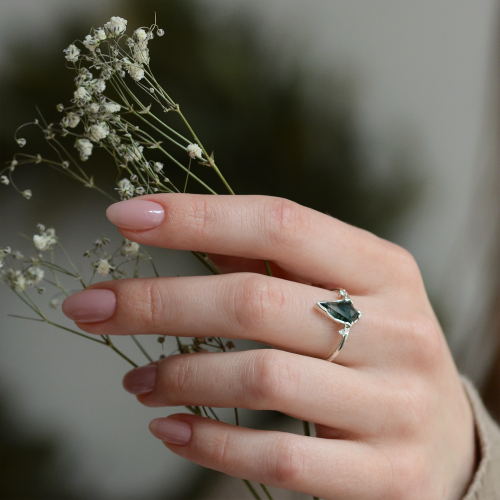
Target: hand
[(391, 416)]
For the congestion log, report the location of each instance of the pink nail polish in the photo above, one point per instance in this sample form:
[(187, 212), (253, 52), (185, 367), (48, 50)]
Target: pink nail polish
[(140, 380), (171, 430), (90, 306), (137, 215)]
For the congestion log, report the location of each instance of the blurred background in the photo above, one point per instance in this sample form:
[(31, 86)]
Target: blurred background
[(383, 114)]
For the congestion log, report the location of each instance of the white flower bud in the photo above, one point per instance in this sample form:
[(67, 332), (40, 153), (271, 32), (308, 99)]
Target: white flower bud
[(36, 274), (158, 167), (103, 267), (116, 26), (160, 32), (84, 147), (136, 72), (70, 120), (82, 95), (130, 247), (72, 53), (100, 34), (91, 43), (4, 180), (65, 164), (140, 35), (112, 107), (194, 151), (60, 107), (27, 193), (99, 131), (21, 143)]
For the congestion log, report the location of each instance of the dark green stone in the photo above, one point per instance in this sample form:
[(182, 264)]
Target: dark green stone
[(342, 310)]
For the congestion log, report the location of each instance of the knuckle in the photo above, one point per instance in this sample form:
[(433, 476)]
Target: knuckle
[(176, 374), (150, 307), (221, 450), (424, 342), (404, 267), (290, 461), (288, 222), (258, 301), (410, 476), (199, 216), (272, 378)]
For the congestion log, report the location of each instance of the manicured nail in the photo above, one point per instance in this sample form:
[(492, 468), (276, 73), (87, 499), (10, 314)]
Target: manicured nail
[(140, 380), (90, 306), (171, 430), (137, 215)]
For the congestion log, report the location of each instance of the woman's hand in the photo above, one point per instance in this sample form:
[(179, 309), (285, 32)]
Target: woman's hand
[(392, 419)]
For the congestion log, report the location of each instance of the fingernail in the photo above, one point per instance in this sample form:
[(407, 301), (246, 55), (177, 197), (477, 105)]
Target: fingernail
[(171, 430), (140, 380), (90, 306), (137, 215)]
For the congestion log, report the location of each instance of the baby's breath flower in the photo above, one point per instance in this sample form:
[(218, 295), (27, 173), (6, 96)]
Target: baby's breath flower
[(160, 32), (60, 107), (35, 275), (136, 72), (112, 107), (94, 108), (158, 167), (91, 43), (81, 95), (72, 53), (84, 147), (130, 247), (17, 281), (99, 131), (54, 303), (116, 26), (140, 34), (100, 34), (13, 165), (4, 180), (98, 86), (65, 164), (140, 190), (27, 193), (133, 152), (71, 120), (141, 54), (125, 189), (103, 267), (194, 151), (44, 241), (21, 143)]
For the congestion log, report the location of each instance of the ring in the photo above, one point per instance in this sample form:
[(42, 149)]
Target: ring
[(341, 311)]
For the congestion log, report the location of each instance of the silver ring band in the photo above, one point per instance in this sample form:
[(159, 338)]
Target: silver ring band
[(341, 311)]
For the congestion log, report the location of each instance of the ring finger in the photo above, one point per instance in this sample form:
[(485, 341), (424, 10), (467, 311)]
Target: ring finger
[(277, 312)]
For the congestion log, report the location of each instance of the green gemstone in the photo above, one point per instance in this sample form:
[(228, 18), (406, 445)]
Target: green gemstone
[(341, 310)]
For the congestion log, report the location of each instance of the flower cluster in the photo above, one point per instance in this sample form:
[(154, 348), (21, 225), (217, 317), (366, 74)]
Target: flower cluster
[(45, 239), (120, 123)]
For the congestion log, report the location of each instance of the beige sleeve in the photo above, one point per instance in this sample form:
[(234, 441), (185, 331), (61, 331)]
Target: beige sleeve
[(486, 482)]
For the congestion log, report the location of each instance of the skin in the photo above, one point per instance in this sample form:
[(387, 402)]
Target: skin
[(391, 416)]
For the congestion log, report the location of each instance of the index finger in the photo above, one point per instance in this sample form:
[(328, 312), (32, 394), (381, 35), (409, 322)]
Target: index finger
[(313, 246)]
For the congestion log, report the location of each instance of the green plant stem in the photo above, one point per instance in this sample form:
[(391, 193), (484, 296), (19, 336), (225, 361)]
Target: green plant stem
[(252, 490), (209, 158), (268, 268), (266, 491), (141, 348), (110, 344)]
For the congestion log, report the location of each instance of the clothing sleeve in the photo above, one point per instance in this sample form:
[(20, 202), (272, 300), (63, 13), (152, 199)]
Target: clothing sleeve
[(486, 482)]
